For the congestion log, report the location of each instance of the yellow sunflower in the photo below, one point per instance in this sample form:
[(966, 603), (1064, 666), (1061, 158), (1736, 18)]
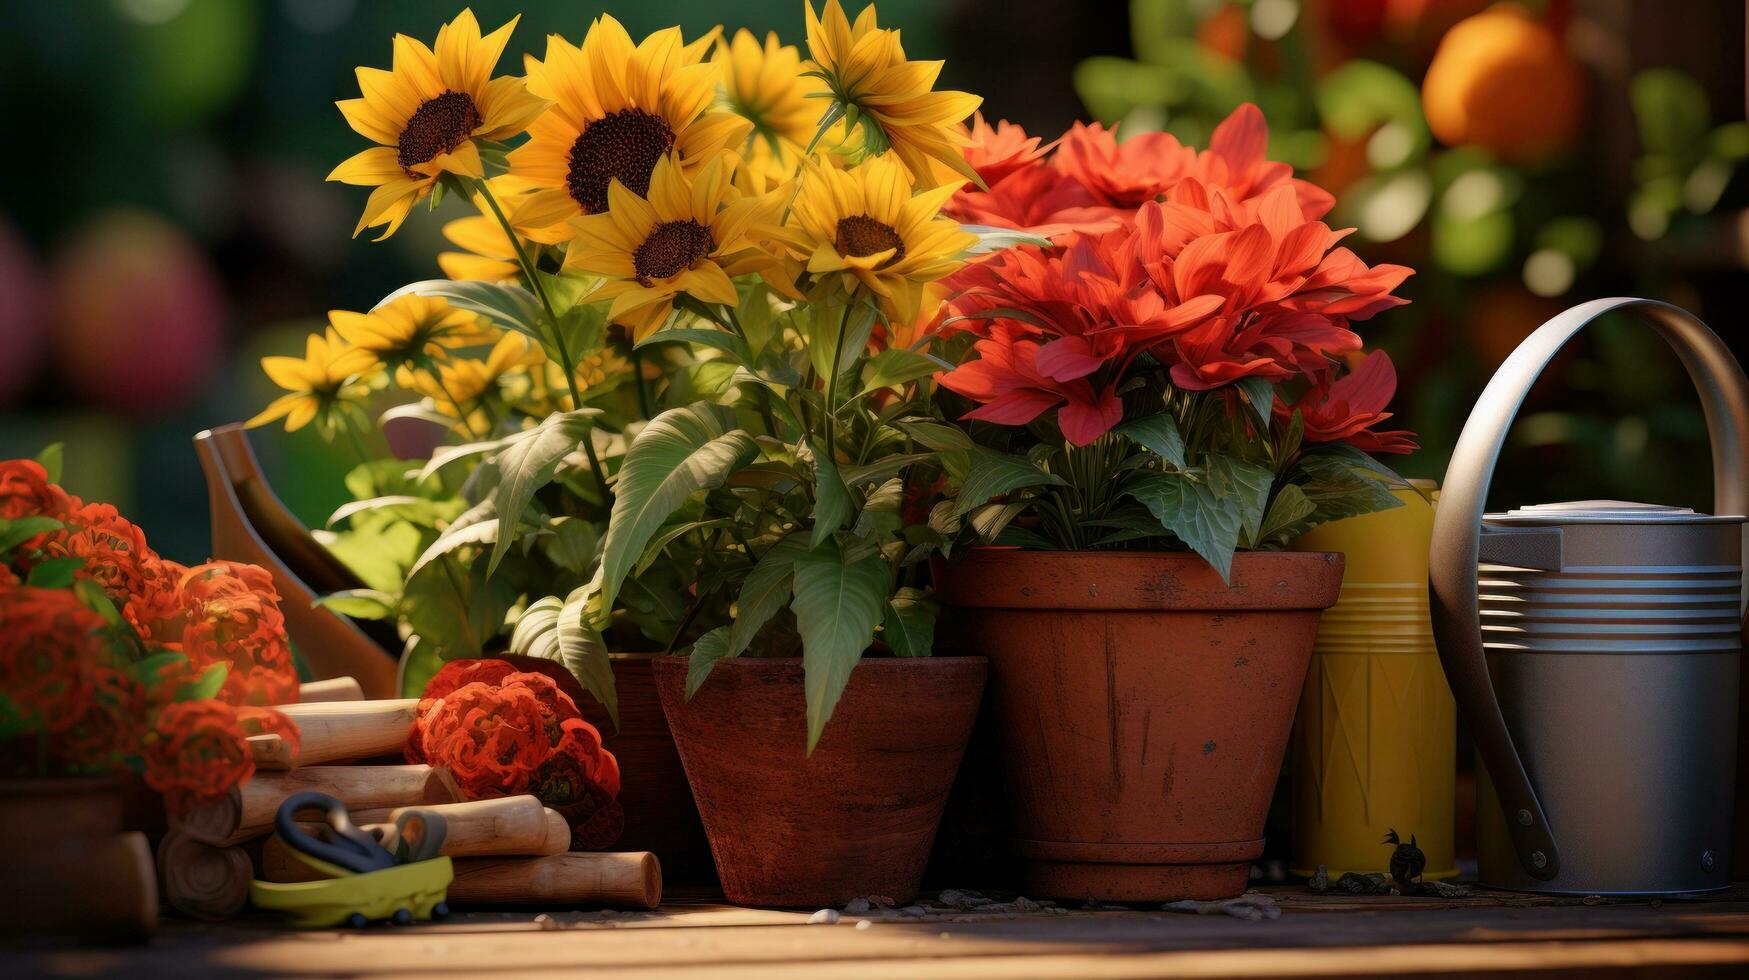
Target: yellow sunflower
[(690, 236), (892, 99), (325, 380), (411, 332), (864, 227), (470, 390), (427, 114), (764, 84), (618, 109)]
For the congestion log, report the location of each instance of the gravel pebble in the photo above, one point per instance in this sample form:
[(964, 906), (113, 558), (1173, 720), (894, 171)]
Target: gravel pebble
[(828, 917)]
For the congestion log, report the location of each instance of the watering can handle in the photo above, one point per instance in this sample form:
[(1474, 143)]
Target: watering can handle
[(1457, 528)]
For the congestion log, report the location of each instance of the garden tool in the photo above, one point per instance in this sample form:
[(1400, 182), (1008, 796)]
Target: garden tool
[(399, 878), (1594, 646)]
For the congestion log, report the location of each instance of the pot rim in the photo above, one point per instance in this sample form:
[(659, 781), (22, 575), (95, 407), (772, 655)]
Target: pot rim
[(1162, 581)]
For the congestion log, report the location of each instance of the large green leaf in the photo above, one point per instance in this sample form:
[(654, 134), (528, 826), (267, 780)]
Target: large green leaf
[(681, 451), (18, 530), (1158, 434), (1339, 489), (50, 458), (909, 623), (1287, 516), (896, 365), (765, 591), (528, 464), (1207, 522), (993, 473), (1248, 483), (458, 535), (837, 606), (728, 343), (831, 500), (881, 510), (556, 630), (454, 608), (706, 651)]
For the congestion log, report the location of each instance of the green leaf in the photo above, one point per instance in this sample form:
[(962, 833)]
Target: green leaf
[(991, 239), (397, 500), (1207, 522), (359, 603), (993, 473), (92, 597), (909, 623), (54, 573), (653, 550), (50, 458), (837, 606), (529, 464), (883, 469), (728, 343), (1339, 489), (509, 306), (1260, 395), (680, 452), (765, 591), (1158, 434), (896, 366), (207, 685), (990, 521), (880, 512), (1246, 483), (147, 668), (831, 501), (445, 456), (455, 608), (21, 529), (1287, 515), (556, 630), (476, 533), (706, 651)]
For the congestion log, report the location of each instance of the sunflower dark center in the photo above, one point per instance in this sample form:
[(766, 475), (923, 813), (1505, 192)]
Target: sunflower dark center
[(624, 144), (671, 248), (860, 235), (438, 126)]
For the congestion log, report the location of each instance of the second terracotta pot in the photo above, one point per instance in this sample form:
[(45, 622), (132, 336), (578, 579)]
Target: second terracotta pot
[(853, 820), (1142, 708)]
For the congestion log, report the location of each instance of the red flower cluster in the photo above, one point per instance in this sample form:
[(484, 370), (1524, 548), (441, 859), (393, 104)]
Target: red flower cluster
[(501, 732), (1215, 265), (100, 697)]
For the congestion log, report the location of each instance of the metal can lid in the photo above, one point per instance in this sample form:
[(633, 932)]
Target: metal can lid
[(1609, 512)]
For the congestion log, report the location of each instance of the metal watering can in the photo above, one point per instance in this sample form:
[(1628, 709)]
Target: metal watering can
[(1594, 646)]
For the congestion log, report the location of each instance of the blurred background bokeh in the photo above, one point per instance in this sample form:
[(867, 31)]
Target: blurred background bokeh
[(164, 220)]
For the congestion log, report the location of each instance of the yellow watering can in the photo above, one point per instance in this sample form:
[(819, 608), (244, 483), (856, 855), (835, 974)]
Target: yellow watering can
[(1375, 740)]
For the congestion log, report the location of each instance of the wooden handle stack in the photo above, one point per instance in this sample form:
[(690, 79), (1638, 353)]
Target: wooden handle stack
[(507, 851)]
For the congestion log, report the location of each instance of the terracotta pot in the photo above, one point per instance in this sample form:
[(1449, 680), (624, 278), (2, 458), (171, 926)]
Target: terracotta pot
[(67, 867), (1143, 707), (660, 813), (857, 817)]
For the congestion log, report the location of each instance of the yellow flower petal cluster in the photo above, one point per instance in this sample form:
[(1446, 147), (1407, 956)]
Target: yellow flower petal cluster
[(428, 114), (863, 227), (617, 109), (411, 332), (689, 237), (891, 98), (468, 389), (328, 376)]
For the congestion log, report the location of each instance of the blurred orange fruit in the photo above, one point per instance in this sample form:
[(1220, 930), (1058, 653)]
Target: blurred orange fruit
[(1502, 81), (1501, 316)]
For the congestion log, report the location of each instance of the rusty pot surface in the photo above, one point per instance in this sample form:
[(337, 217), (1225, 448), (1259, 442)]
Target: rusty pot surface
[(1143, 708), (857, 817)]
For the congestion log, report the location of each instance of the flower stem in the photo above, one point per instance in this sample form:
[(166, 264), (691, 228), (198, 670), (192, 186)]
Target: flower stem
[(540, 291), (832, 381)]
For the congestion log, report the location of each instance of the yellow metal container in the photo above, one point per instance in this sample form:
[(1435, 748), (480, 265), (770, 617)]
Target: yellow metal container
[(1375, 739)]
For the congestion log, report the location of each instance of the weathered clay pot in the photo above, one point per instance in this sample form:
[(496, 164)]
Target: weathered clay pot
[(67, 866), (1143, 707), (857, 817)]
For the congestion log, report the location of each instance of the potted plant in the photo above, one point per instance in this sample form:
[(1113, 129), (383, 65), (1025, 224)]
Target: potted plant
[(117, 668), (1152, 407)]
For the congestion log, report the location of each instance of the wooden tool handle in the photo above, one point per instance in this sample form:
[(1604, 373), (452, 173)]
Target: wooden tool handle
[(248, 810), (330, 731), (98, 888), (625, 879), (481, 828), (332, 689), (200, 880)]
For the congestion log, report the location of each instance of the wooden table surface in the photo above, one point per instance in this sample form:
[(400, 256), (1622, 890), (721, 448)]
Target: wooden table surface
[(1490, 934)]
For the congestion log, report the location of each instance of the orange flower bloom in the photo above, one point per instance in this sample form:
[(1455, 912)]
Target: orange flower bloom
[(156, 611), (996, 152), (114, 549), (25, 491), (233, 616), (490, 738), (196, 753), (48, 642), (113, 724), (564, 783)]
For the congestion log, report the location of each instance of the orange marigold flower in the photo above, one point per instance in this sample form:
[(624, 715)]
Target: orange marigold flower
[(460, 673), (233, 616), (490, 738), (565, 783), (48, 642), (114, 550), (196, 753), (556, 707), (157, 610), (25, 491), (112, 726), (997, 151)]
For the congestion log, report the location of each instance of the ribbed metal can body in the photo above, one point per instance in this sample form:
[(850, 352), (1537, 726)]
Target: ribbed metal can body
[(1617, 677)]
